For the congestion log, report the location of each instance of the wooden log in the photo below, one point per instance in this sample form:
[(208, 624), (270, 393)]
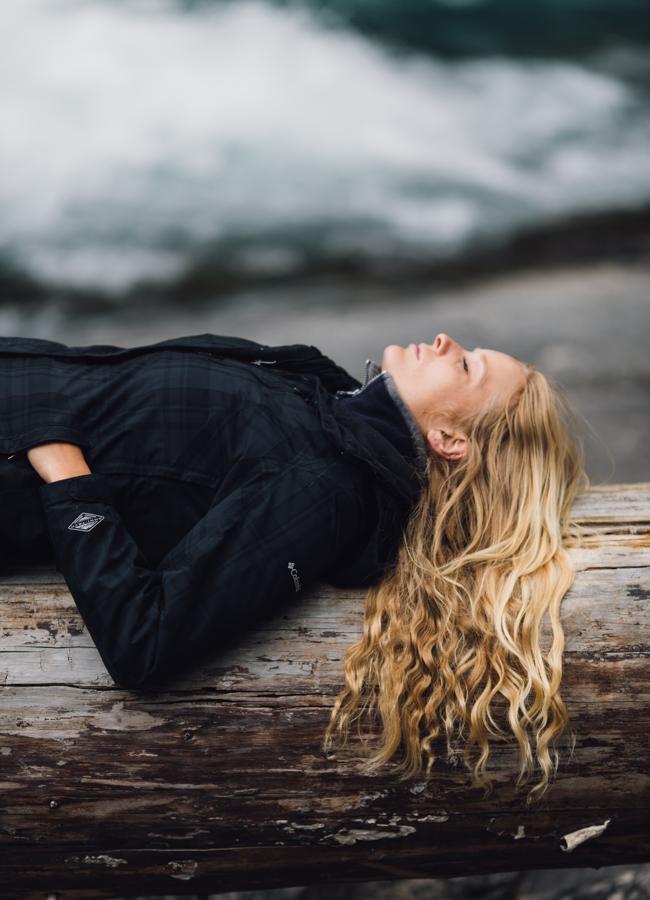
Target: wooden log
[(219, 782)]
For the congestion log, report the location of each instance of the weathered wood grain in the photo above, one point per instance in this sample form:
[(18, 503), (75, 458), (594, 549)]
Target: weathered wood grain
[(219, 781)]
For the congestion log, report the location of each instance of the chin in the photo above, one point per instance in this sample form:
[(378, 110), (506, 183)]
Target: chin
[(391, 351)]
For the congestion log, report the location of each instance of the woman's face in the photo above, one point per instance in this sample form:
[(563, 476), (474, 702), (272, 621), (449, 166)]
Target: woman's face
[(442, 383)]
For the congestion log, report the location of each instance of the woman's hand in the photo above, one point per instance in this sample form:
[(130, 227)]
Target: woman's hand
[(57, 459)]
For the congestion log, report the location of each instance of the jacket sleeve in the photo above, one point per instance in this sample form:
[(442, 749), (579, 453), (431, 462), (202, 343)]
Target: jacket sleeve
[(266, 540)]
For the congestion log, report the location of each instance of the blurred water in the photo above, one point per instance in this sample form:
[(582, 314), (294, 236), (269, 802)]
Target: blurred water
[(145, 141), (542, 28)]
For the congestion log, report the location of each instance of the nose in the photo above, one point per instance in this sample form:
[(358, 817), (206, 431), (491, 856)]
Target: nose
[(442, 343)]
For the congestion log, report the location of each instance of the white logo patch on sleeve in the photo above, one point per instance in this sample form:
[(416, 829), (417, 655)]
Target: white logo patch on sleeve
[(85, 522)]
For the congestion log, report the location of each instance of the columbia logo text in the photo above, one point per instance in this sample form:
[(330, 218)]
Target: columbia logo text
[(294, 574)]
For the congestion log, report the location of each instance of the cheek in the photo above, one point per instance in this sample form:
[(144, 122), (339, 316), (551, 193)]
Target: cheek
[(432, 399), (451, 402), (474, 407)]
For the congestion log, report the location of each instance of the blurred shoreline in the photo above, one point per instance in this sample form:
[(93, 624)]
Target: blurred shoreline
[(616, 235)]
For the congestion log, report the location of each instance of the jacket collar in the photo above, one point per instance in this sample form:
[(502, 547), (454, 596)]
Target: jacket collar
[(380, 403), (356, 438)]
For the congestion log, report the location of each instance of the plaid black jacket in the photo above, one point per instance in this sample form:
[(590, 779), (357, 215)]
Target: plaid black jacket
[(226, 477)]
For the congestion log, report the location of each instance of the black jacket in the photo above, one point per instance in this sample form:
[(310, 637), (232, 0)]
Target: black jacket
[(226, 477)]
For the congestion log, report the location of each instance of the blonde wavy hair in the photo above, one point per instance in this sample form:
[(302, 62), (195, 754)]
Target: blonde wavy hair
[(453, 630)]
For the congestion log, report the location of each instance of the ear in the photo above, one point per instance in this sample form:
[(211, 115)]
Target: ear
[(450, 445)]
